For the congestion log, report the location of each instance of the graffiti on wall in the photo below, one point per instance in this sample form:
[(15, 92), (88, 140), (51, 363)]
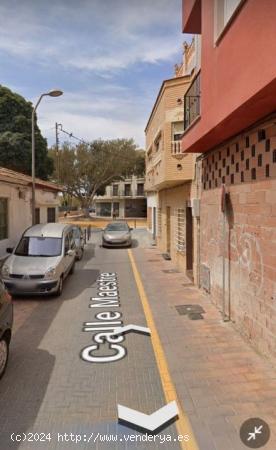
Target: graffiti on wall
[(246, 251), (243, 247)]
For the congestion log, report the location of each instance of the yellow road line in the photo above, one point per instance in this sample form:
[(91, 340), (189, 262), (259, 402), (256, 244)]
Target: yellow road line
[(182, 424)]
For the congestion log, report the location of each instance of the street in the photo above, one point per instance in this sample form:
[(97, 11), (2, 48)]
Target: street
[(49, 389), (67, 377)]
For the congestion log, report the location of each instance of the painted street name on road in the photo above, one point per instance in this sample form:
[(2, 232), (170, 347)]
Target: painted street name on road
[(107, 346)]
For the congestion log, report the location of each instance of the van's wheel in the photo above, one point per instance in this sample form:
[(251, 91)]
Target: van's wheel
[(60, 286), (4, 355)]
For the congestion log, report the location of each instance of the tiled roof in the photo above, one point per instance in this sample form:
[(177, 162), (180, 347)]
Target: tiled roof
[(10, 176)]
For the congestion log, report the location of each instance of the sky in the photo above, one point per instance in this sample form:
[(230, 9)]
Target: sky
[(109, 57)]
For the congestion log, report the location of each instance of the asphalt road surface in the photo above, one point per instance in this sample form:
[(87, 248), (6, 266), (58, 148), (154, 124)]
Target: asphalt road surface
[(50, 396)]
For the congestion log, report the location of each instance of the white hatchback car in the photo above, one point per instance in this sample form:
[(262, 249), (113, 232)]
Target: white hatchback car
[(41, 261)]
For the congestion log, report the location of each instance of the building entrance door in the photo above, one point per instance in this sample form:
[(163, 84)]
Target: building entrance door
[(154, 223), (116, 210), (168, 227), (189, 242)]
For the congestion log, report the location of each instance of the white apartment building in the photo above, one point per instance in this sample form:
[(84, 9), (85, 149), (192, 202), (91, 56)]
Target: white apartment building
[(122, 199)]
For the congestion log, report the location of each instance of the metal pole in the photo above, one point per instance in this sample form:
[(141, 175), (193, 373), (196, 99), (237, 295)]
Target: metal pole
[(57, 153), (33, 169), (33, 159), (223, 269)]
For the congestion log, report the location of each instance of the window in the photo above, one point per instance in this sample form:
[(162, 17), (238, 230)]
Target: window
[(3, 218), (127, 190), (177, 132), (72, 240), (39, 246), (224, 13), (105, 209), (140, 189), (192, 102), (51, 215), (120, 226), (158, 142), (66, 244), (181, 230), (115, 190), (37, 216)]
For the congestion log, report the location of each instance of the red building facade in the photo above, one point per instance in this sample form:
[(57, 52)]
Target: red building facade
[(230, 114)]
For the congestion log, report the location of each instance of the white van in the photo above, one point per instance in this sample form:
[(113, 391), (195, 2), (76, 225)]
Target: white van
[(41, 261)]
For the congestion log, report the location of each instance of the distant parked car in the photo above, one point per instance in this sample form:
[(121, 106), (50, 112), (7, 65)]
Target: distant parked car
[(117, 234), (79, 242), (6, 319), (41, 261)]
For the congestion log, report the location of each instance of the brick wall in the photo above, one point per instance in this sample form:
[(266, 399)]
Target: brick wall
[(247, 165)]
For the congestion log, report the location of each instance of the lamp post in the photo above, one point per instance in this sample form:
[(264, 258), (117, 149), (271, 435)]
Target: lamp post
[(54, 93)]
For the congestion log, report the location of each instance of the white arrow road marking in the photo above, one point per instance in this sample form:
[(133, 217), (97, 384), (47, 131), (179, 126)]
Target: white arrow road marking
[(149, 422), (131, 327), (256, 431)]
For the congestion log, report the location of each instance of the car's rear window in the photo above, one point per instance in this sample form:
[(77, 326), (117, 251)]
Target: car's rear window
[(117, 227), (39, 246)]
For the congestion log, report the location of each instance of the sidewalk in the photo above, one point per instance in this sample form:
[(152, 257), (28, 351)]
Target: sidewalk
[(220, 380)]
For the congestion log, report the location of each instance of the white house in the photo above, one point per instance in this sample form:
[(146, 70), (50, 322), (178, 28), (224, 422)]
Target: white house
[(15, 205), (123, 199)]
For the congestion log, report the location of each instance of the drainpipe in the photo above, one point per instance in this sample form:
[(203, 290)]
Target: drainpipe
[(198, 177), (223, 209)]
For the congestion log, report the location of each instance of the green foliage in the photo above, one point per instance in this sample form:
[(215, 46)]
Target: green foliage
[(15, 136), (86, 169)]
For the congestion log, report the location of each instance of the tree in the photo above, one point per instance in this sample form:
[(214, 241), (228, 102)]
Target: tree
[(87, 168), (16, 136), (140, 163)]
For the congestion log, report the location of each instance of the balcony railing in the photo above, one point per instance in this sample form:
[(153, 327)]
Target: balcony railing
[(176, 147), (192, 102)]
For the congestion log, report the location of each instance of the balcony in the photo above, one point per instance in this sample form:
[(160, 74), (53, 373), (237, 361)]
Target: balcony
[(192, 102), (176, 147)]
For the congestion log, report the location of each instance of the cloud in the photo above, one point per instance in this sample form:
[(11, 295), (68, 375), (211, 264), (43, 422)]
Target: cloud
[(107, 114), (109, 57), (110, 34)]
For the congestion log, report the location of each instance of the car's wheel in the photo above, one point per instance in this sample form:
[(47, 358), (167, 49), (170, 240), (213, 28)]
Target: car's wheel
[(60, 286), (72, 270), (4, 355)]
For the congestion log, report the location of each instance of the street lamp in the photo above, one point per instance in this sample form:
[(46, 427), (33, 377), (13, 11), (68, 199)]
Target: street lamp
[(53, 93)]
